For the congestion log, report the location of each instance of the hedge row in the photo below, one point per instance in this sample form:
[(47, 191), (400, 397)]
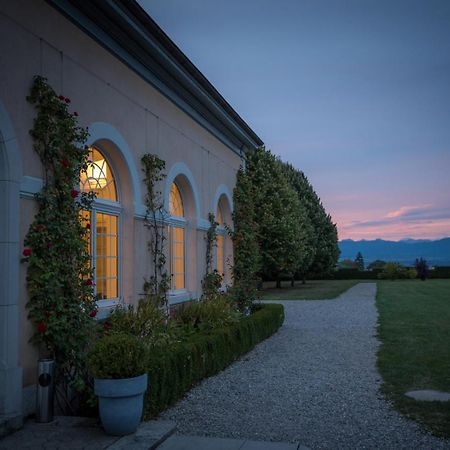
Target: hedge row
[(348, 274), (440, 272), (174, 371)]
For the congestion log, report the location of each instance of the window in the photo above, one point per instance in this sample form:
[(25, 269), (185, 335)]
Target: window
[(104, 224), (176, 240), (220, 253)]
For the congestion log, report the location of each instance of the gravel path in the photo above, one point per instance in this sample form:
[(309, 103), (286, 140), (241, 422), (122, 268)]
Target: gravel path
[(313, 382)]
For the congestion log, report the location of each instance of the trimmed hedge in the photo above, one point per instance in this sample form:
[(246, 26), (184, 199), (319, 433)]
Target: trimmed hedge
[(172, 372), (348, 274), (439, 272)]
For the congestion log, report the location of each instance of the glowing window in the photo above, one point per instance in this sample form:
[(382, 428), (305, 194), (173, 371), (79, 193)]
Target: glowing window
[(98, 177), (176, 203), (104, 225), (176, 242)]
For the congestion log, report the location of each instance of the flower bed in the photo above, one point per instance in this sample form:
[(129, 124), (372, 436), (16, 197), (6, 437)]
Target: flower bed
[(173, 370)]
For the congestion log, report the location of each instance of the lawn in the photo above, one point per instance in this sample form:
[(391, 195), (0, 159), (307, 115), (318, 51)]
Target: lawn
[(312, 290), (414, 329)]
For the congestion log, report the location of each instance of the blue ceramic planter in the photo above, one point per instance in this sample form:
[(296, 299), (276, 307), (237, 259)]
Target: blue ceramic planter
[(120, 403)]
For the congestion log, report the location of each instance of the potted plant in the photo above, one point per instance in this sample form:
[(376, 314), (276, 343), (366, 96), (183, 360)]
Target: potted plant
[(117, 364)]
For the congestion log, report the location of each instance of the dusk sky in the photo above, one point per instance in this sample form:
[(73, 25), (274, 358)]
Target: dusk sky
[(354, 93)]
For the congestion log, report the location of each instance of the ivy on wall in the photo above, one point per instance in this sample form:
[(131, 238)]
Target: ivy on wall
[(157, 285), (61, 301), (212, 281)]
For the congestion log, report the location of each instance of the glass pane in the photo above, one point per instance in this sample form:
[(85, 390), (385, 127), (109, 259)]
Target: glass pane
[(177, 257), (220, 253), (106, 270), (178, 281), (175, 202), (219, 215), (98, 177)]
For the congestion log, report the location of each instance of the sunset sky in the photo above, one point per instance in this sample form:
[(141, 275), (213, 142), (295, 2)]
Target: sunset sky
[(356, 93)]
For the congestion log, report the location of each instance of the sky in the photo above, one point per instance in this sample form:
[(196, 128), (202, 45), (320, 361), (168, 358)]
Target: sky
[(355, 93)]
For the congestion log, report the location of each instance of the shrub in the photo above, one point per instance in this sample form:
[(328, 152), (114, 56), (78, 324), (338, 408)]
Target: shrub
[(422, 269), (173, 371), (145, 320), (395, 271), (206, 315), (440, 272), (117, 356)]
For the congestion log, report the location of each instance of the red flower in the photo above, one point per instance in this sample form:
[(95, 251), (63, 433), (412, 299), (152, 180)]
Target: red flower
[(74, 193), (65, 163), (67, 100), (93, 313), (42, 327), (75, 114), (62, 98), (88, 226), (106, 326), (88, 282), (27, 251), (50, 245)]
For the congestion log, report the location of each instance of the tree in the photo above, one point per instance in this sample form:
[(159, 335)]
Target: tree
[(327, 251), (377, 264), (246, 256), (359, 260), (422, 269), (348, 264), (282, 223), (309, 203)]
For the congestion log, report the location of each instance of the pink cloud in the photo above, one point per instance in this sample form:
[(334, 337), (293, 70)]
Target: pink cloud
[(420, 221)]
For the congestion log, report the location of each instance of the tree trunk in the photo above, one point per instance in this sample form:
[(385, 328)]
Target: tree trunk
[(278, 283), (304, 280), (292, 281)]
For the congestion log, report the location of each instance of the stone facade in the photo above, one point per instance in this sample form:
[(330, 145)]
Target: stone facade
[(127, 116)]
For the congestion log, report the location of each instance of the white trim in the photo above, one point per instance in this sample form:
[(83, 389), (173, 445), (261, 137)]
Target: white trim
[(30, 186), (180, 296), (104, 131), (222, 190), (177, 169), (10, 178)]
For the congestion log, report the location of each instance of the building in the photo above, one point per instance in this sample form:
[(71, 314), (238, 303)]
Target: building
[(137, 93)]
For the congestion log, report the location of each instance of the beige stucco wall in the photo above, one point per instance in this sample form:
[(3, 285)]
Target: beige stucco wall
[(36, 39)]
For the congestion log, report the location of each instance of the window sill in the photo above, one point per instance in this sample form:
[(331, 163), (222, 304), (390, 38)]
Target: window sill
[(105, 307), (176, 297)]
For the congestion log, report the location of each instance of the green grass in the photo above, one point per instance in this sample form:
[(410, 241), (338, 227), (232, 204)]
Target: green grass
[(312, 290), (414, 329)]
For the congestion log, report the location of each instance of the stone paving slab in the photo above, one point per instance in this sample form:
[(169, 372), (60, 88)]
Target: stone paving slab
[(429, 395), (148, 436), (181, 442), (81, 433)]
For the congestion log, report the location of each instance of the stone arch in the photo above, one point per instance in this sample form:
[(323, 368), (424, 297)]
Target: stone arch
[(223, 195), (10, 179), (182, 175), (113, 145)]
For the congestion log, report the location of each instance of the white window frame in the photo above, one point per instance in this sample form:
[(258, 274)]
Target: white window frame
[(114, 208), (103, 206), (179, 222)]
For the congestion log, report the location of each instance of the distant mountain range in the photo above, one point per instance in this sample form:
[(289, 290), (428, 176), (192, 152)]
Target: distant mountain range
[(437, 253)]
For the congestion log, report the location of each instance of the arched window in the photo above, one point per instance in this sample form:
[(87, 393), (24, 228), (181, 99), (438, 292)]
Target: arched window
[(103, 221), (176, 240), (220, 253)]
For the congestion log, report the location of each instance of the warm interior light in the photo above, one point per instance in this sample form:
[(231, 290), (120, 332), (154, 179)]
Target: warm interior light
[(96, 175)]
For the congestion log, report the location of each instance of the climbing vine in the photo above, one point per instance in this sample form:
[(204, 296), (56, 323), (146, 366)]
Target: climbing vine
[(157, 286), (247, 260), (61, 302), (213, 279)]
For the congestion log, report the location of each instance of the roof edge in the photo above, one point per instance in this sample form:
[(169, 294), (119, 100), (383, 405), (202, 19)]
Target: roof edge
[(130, 34)]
